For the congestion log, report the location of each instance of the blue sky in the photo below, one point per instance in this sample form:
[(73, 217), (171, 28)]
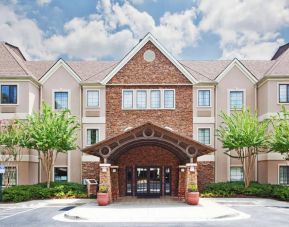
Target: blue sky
[(108, 29)]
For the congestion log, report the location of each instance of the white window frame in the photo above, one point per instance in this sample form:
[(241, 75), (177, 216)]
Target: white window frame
[(229, 99), (60, 166), (133, 99), (210, 129), (238, 166), (278, 176), (146, 99), (150, 98), (17, 174), (210, 100), (278, 93), (88, 90), (169, 108), (9, 104), (53, 98), (86, 134)]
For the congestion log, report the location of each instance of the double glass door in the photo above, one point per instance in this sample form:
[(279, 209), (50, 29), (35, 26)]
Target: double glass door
[(148, 181)]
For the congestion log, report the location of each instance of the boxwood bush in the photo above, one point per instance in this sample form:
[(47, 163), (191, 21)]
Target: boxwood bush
[(237, 189), (40, 191)]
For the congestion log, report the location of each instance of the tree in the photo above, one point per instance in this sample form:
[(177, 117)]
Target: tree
[(51, 132), (243, 133), (11, 138), (279, 140)]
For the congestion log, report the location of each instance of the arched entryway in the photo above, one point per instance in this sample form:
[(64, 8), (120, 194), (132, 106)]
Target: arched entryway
[(148, 161)]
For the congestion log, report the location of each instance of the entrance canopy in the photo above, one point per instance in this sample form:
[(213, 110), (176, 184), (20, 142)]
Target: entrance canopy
[(185, 148)]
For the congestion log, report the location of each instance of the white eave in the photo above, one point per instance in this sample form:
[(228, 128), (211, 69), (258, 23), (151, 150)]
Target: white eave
[(147, 38), (55, 67)]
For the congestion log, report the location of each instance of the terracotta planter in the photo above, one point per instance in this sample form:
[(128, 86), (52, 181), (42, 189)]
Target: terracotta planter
[(102, 199), (193, 198)]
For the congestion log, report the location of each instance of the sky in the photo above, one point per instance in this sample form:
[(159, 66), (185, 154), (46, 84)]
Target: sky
[(108, 29)]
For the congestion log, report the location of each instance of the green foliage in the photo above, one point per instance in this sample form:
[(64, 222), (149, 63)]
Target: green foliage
[(192, 188), (40, 191), (235, 189), (279, 140), (242, 129), (103, 189)]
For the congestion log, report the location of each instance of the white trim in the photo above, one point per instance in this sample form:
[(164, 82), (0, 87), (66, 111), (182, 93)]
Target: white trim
[(93, 120), (206, 127), (241, 67), (272, 156), (278, 170), (229, 99), (21, 158), (9, 104), (169, 108), (147, 38), (55, 67), (87, 127), (210, 97), (61, 90), (89, 158), (9, 116), (203, 120), (206, 158), (59, 166), (86, 103), (122, 99), (271, 79), (278, 93)]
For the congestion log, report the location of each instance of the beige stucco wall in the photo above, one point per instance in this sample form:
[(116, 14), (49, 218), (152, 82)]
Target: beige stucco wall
[(196, 108), (268, 171), (101, 108), (233, 80)]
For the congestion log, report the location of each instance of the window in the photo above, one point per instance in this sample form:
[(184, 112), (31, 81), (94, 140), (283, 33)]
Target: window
[(204, 98), (8, 94), (236, 173), (283, 93), (141, 99), (204, 135), (60, 100), (92, 98), (284, 175), (128, 99), (169, 99), (236, 99), (92, 136), (60, 174), (155, 99), (10, 176)]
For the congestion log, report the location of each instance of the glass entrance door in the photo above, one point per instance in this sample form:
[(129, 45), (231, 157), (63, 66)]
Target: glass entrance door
[(148, 181)]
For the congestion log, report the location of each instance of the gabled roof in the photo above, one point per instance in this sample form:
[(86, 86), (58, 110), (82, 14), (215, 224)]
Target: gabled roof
[(280, 51), (240, 66), (146, 39), (55, 67)]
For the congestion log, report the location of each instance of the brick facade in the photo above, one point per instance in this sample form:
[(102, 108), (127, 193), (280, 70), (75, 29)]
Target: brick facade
[(206, 173), (148, 156), (90, 170)]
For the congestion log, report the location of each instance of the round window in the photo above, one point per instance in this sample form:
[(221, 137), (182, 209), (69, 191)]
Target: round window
[(149, 56)]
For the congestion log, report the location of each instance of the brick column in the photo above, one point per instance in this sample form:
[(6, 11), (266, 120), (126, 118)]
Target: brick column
[(104, 178), (114, 182), (182, 182), (191, 176)]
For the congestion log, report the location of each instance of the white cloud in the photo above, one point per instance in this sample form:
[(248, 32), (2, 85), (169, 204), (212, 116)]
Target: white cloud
[(43, 2), (247, 29), (139, 2)]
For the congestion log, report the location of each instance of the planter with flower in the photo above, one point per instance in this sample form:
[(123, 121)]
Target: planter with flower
[(193, 195), (102, 196)]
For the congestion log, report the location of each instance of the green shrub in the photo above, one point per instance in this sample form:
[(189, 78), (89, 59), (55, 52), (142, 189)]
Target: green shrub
[(233, 189), (192, 188), (40, 191)]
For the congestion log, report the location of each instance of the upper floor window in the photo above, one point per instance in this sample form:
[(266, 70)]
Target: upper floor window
[(283, 93), (60, 100), (148, 99), (127, 99), (8, 94), (92, 136), (236, 99), (141, 99), (155, 99), (169, 99), (204, 135), (93, 98), (284, 175), (204, 98)]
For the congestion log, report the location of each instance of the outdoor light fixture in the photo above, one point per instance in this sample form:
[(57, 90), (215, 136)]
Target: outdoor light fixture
[(192, 169), (182, 170), (114, 170), (104, 169)]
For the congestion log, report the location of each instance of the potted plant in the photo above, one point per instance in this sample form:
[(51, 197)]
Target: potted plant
[(102, 196), (193, 195)]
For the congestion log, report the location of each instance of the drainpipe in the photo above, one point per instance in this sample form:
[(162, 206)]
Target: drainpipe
[(39, 159)]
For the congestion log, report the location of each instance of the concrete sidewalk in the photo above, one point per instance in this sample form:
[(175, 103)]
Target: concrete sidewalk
[(151, 210)]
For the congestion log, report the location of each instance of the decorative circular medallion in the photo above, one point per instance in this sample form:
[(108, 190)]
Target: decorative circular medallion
[(149, 55)]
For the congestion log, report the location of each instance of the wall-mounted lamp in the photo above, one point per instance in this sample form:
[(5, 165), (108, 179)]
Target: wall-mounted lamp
[(103, 169), (192, 168), (182, 169), (114, 170)]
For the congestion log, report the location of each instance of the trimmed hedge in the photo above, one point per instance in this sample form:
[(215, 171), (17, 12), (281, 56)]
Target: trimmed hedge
[(40, 191), (235, 189)]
